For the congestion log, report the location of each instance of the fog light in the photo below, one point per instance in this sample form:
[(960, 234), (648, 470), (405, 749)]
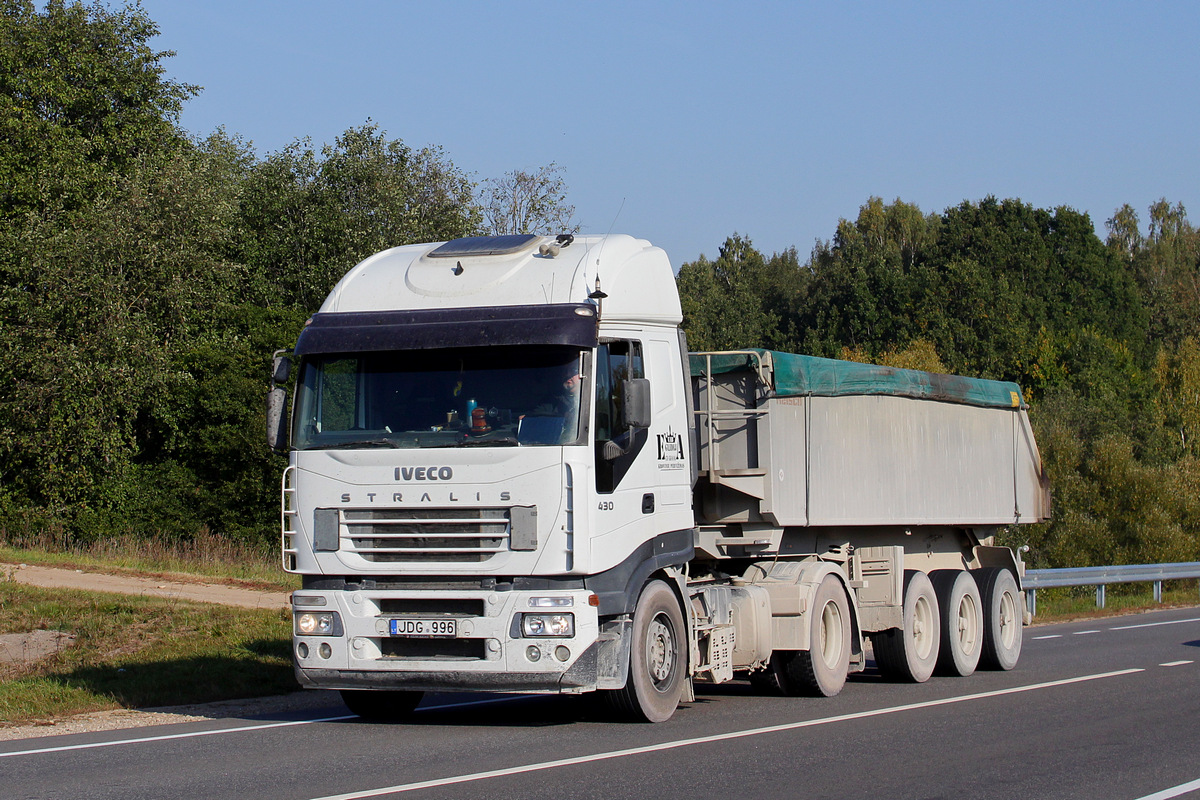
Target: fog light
[(325, 650), (533, 653), (562, 653), (556, 625), (302, 649)]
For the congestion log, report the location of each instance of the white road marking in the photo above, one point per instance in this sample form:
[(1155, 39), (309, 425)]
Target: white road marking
[(1084, 633), (170, 736), (242, 729), (633, 751), (1174, 791), (1153, 624), (1052, 636), (1176, 663)]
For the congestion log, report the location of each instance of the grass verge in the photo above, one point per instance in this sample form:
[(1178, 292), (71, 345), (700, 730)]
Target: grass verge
[(138, 652)]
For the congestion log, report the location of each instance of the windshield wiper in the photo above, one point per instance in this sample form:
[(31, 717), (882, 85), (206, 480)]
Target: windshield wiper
[(499, 441), (364, 444)]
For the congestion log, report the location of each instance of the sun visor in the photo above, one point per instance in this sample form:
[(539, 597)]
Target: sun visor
[(427, 329)]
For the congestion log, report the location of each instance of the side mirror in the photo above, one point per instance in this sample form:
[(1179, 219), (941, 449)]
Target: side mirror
[(277, 419), (281, 367), (635, 411)]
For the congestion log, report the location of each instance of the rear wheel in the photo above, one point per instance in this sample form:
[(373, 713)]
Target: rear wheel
[(910, 653), (962, 621), (657, 658), (381, 706), (1001, 618), (821, 670)]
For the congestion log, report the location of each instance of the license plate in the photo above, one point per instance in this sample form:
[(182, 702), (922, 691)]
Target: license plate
[(425, 628)]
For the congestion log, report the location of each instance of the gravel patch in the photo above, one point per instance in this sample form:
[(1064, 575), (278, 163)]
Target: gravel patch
[(53, 578), (31, 646)]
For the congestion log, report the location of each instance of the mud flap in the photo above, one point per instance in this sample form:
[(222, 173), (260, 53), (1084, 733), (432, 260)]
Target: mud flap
[(612, 653)]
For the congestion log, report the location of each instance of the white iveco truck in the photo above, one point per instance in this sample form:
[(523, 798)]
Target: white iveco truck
[(507, 473)]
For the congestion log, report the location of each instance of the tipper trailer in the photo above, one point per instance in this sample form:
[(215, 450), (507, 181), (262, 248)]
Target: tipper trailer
[(507, 473)]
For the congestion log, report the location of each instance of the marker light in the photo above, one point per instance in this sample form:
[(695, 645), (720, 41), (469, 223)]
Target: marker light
[(551, 602)]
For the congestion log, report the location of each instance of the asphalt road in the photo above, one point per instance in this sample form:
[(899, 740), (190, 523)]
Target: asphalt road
[(1096, 710)]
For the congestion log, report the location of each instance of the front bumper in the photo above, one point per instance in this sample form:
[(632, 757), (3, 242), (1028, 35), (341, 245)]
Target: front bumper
[(489, 652)]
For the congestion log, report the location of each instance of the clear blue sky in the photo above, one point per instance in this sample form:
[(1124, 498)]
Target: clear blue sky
[(684, 122)]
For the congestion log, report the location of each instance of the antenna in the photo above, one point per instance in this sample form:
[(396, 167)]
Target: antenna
[(600, 252), (618, 214)]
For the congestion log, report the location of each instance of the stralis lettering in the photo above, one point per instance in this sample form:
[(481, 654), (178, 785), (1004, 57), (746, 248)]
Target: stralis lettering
[(424, 473), (426, 497)]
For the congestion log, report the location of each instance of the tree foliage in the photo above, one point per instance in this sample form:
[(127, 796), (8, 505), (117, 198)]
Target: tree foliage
[(528, 202), (741, 299), (146, 277), (82, 97)]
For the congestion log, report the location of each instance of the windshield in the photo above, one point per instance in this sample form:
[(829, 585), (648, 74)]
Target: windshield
[(475, 396)]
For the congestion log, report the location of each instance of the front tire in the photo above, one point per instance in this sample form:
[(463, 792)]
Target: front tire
[(657, 658)]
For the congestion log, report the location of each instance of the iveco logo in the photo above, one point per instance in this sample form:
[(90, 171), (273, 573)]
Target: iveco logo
[(424, 473)]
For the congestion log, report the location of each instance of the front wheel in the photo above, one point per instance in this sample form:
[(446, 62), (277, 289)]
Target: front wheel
[(657, 658)]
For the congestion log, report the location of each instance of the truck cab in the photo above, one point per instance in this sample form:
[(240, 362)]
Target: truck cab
[(486, 465)]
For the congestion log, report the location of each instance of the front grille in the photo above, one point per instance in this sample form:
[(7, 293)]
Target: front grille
[(434, 649), (433, 606), (427, 534)]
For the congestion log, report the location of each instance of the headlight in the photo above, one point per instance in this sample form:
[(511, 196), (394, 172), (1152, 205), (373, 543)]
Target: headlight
[(551, 625), (318, 623)]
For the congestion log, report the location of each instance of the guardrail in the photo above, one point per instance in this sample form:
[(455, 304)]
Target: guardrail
[(1102, 576)]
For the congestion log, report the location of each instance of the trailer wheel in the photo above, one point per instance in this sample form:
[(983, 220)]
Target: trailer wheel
[(910, 654), (657, 658), (1001, 618), (381, 706), (962, 621)]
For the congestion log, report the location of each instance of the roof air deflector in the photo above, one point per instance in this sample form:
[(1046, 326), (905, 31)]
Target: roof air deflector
[(484, 246)]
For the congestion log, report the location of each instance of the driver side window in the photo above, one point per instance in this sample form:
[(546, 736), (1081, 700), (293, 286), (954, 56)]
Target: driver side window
[(616, 361)]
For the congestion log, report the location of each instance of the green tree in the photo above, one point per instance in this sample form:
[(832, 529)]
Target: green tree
[(82, 97), (307, 217), (1166, 263), (528, 202), (741, 299)]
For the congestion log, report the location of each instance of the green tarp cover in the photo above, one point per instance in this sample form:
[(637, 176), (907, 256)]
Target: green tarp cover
[(827, 377)]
